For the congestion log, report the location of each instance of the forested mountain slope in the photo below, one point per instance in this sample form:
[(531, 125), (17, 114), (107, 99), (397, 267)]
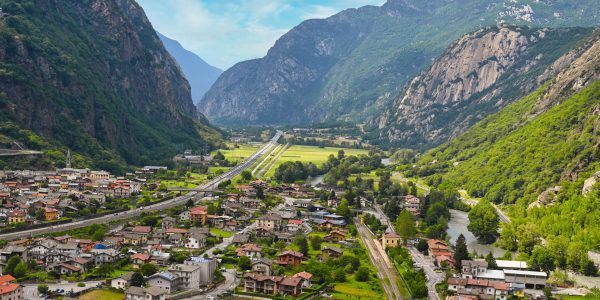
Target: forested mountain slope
[(549, 138), (479, 74), (348, 66), (94, 77)]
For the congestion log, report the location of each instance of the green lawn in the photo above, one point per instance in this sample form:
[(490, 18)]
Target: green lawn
[(221, 233), (102, 294), (312, 154), (353, 289), (372, 175), (587, 297)]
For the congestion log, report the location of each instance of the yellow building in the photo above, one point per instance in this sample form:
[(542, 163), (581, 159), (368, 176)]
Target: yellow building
[(390, 239), (50, 214), (16, 216)]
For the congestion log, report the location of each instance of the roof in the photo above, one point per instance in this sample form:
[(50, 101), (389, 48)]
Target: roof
[(331, 248), (291, 281), (142, 229), (391, 235), (6, 278), (304, 275), (135, 290), (295, 222), (477, 282), (511, 264), (492, 275), (525, 273), (166, 275), (176, 230), (292, 253), (155, 291), (8, 288), (141, 256)]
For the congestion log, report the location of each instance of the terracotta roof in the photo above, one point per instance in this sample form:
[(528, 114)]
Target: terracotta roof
[(142, 229), (291, 281), (176, 230), (141, 256), (8, 288), (292, 253), (6, 278), (304, 275)]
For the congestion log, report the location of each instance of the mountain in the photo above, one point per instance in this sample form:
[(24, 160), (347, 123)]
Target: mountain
[(349, 66), (479, 74), (93, 77), (538, 153), (199, 74)]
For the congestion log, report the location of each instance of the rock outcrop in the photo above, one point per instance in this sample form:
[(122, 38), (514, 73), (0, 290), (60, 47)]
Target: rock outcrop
[(481, 73)]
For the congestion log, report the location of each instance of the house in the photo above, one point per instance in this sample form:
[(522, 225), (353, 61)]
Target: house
[(306, 278), (336, 236), (240, 239), (290, 286), (262, 266), (472, 268), (168, 222), (81, 263), (149, 293), (165, 280), (440, 253), (140, 258), (390, 239), (142, 229), (9, 289), (482, 289), (289, 258), (294, 225), (269, 221), (122, 282), (50, 214), (104, 256), (198, 215), (190, 275), (64, 268), (331, 252), (196, 240), (250, 250), (16, 216)]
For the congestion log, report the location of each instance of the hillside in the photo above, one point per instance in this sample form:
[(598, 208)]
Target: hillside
[(199, 73), (92, 76), (549, 138), (479, 74), (349, 66)]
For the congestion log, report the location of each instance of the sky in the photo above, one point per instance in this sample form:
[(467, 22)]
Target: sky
[(224, 32)]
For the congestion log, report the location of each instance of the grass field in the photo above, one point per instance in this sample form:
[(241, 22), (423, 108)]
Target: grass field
[(238, 154), (221, 233), (372, 175), (312, 154), (102, 294), (588, 297), (353, 289)]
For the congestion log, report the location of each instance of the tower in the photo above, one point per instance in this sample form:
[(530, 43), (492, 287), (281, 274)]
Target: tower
[(68, 162)]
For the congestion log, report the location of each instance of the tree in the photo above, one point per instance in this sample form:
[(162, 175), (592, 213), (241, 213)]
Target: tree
[(422, 246), (189, 203), (42, 289), (98, 236), (339, 275), (148, 269), (12, 264), (491, 261), (219, 156), (484, 222), (341, 154), (542, 259), (315, 242), (137, 279), (105, 269), (461, 252), (362, 274), (344, 210), (20, 270), (302, 244), (405, 226), (244, 263), (589, 268), (40, 215), (246, 175)]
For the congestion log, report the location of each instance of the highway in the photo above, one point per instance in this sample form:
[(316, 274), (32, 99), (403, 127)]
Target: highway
[(181, 200)]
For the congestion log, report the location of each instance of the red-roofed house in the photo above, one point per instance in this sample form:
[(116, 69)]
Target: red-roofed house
[(142, 229), (482, 289), (198, 215), (250, 250), (289, 258), (306, 278), (140, 258)]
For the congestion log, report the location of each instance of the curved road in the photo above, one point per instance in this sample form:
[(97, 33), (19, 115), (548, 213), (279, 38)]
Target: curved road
[(212, 184)]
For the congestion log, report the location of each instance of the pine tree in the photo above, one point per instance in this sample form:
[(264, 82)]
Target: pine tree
[(461, 252), (491, 261)]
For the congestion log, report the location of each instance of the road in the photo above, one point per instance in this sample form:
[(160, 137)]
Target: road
[(181, 200), (10, 152), (386, 271)]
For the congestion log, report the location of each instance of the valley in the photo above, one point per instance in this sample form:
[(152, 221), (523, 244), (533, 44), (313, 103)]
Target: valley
[(404, 150)]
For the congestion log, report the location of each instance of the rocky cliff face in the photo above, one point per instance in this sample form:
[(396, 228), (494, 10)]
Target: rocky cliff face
[(350, 66), (94, 76), (479, 74)]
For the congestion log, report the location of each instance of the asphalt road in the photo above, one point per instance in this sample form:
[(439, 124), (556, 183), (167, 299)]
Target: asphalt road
[(212, 184)]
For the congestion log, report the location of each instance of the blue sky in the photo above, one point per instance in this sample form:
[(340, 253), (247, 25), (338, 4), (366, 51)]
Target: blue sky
[(224, 32)]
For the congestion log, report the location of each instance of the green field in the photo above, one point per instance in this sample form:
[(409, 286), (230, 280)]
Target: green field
[(353, 289), (238, 154), (221, 233), (102, 294), (312, 154)]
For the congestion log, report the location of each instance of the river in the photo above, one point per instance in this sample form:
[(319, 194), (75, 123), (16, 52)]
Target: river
[(458, 224)]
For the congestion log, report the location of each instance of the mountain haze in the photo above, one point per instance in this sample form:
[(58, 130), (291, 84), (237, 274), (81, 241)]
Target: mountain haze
[(199, 73), (349, 66), (93, 77)]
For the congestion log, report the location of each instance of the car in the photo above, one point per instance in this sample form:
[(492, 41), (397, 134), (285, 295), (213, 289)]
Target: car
[(223, 270), (210, 297)]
